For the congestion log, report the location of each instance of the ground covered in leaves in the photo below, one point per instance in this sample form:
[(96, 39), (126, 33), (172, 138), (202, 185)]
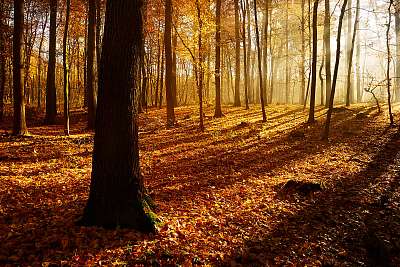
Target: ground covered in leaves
[(219, 193)]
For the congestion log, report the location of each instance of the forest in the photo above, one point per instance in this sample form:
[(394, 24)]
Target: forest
[(200, 133)]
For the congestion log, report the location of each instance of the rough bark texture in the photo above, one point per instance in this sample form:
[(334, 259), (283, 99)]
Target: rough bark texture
[(116, 190), (90, 73), (51, 93), (2, 60), (18, 83), (168, 64), (218, 110)]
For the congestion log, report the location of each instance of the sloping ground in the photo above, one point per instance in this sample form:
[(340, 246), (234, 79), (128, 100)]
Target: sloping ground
[(217, 192)]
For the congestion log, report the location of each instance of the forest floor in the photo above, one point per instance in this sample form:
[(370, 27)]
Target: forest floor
[(218, 193)]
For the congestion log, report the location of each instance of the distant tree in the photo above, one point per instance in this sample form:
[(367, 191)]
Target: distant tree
[(246, 67), (311, 117), (168, 64), (51, 92), (66, 69), (325, 134), (397, 30), (116, 196), (18, 83), (218, 110), (90, 71)]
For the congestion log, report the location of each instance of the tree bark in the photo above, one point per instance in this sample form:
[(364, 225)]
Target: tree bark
[(218, 110), (349, 54), (168, 64), (117, 191), (350, 62), (2, 59), (51, 92), (327, 44), (311, 117), (18, 83), (237, 57), (264, 115)]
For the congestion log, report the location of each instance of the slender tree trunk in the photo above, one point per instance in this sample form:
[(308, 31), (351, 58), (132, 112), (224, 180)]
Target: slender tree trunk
[(248, 58), (90, 71), (264, 115), (389, 59), (66, 71), (246, 70), (174, 85), (265, 58), (39, 68), (325, 134), (117, 191), (162, 78), (303, 55), (18, 83), (311, 117), (397, 28), (349, 54), (327, 44), (237, 58), (51, 92), (287, 79), (168, 64), (218, 110), (350, 62), (321, 78)]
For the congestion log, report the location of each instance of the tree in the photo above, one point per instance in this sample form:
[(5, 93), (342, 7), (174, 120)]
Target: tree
[(116, 196), (327, 44), (90, 73), (397, 29), (66, 70), (218, 110), (51, 92), (303, 55), (350, 62), (237, 57), (264, 115), (18, 83), (168, 64), (389, 59), (311, 118), (349, 55), (325, 134), (246, 67)]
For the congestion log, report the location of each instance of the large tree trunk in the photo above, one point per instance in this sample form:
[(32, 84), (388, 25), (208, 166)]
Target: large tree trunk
[(117, 192), (237, 53), (264, 115), (311, 117), (18, 83), (90, 71), (218, 110), (327, 44), (168, 64), (51, 92), (66, 71), (325, 134)]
